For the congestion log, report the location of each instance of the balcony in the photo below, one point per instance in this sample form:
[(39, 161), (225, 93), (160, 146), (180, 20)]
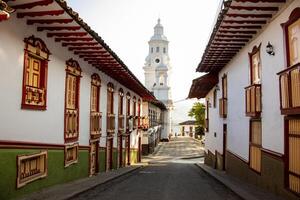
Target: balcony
[(289, 85), (96, 124), (145, 123), (223, 107), (121, 123), (253, 100), (110, 123), (71, 124)]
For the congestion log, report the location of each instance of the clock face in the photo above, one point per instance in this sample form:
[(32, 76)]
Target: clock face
[(157, 60)]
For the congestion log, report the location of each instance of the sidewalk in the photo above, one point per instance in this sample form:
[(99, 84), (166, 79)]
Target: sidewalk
[(68, 190), (243, 189)]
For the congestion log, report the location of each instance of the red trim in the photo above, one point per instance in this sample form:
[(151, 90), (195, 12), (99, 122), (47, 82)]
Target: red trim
[(33, 4), (74, 64), (7, 144)]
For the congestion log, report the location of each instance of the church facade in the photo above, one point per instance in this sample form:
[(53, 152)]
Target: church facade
[(157, 70)]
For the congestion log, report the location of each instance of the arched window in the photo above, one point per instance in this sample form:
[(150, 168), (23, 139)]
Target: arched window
[(120, 111), (71, 133), (95, 116), (255, 65), (110, 98), (110, 109), (73, 74), (36, 57)]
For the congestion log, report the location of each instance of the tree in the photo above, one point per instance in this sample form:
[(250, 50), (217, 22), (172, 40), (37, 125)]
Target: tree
[(198, 112)]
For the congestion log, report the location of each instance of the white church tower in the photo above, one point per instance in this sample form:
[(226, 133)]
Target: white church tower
[(157, 74)]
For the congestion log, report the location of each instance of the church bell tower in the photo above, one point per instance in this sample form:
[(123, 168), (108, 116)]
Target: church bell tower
[(157, 70)]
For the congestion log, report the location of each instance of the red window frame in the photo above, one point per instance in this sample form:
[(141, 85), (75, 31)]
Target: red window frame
[(35, 98), (72, 69)]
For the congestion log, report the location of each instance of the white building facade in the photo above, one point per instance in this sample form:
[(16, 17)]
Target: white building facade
[(251, 94), (70, 108), (157, 74)]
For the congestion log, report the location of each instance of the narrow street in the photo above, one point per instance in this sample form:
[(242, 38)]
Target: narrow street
[(170, 175)]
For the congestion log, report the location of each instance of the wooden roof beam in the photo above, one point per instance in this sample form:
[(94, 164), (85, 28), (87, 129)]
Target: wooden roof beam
[(89, 52), (58, 28), (249, 8), (40, 13), (238, 32), (67, 34), (249, 15), (262, 22), (79, 44), (74, 39), (84, 48), (48, 21), (233, 36), (241, 27), (33, 4)]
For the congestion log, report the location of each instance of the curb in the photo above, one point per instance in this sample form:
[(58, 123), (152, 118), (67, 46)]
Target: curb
[(218, 180), (71, 189), (244, 190)]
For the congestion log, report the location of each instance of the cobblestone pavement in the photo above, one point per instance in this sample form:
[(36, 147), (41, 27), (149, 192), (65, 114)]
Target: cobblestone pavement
[(170, 175)]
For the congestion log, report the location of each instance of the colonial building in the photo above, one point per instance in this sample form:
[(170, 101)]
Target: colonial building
[(251, 91), (188, 128), (157, 74), (153, 125), (70, 107)]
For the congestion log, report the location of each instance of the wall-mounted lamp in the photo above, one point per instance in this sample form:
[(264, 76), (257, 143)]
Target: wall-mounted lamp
[(270, 49)]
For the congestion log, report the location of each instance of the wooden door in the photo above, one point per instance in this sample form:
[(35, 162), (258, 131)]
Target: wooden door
[(109, 151), (94, 161), (127, 148), (120, 152), (139, 155), (224, 145)]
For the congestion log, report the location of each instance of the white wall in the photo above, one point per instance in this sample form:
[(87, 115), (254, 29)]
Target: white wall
[(214, 143), (17, 124)]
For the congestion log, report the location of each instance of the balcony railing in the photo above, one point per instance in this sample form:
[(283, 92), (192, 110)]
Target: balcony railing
[(223, 107), (34, 96), (253, 100), (110, 123), (71, 124), (96, 124), (289, 81), (121, 123)]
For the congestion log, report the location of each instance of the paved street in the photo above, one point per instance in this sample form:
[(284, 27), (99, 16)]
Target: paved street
[(170, 175)]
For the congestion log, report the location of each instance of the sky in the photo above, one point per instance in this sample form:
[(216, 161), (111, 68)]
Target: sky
[(127, 25)]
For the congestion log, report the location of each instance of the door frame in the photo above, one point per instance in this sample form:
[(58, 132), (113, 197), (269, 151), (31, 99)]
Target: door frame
[(97, 141), (224, 145), (109, 160)]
